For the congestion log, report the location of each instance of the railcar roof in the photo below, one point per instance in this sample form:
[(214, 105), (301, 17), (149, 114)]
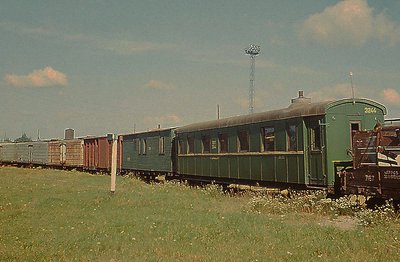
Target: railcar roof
[(294, 110), (157, 130)]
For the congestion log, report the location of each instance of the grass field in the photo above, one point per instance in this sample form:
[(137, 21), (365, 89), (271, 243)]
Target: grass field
[(59, 215)]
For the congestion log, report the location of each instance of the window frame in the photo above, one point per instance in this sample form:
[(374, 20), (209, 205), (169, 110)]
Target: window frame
[(161, 145), (225, 145), (138, 144), (144, 144), (290, 146), (264, 141), (190, 149), (181, 147), (352, 131), (315, 132), (206, 144), (240, 144)]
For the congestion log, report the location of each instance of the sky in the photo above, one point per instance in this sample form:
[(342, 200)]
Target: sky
[(121, 66)]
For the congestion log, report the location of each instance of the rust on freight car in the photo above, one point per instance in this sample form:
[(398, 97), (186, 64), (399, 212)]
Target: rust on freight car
[(376, 164)]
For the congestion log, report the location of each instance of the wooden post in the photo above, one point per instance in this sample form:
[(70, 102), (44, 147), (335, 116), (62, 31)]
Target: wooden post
[(112, 138)]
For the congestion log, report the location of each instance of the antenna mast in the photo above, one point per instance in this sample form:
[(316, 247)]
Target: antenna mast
[(252, 51), (352, 87)]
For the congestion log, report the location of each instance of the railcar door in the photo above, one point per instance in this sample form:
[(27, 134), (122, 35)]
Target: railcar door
[(30, 153), (316, 147), (1, 153), (63, 153)]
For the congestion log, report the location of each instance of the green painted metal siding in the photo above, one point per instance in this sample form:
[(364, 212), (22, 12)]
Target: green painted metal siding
[(308, 165), (276, 166), (338, 119), (152, 160)]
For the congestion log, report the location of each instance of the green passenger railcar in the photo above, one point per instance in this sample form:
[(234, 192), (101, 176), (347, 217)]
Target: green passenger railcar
[(298, 145), (148, 153)]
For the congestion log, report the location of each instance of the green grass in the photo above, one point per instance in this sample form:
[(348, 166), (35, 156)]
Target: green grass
[(59, 215)]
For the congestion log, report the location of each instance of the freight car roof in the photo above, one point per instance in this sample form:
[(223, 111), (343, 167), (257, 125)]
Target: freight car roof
[(300, 109)]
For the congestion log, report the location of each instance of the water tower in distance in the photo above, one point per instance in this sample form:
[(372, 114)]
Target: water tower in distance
[(69, 134)]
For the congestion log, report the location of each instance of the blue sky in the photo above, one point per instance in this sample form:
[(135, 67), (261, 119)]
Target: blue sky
[(107, 66)]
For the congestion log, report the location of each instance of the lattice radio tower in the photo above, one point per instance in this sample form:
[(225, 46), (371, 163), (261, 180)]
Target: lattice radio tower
[(252, 51)]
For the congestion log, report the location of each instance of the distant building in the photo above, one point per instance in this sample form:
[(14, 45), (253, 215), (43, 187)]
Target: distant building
[(69, 134)]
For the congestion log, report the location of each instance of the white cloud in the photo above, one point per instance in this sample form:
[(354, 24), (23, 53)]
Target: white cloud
[(38, 78), (386, 30), (349, 23), (158, 85), (391, 96)]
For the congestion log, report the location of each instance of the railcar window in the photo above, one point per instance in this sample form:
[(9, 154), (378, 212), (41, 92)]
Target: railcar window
[(206, 141), (243, 138), (291, 132), (190, 144), (139, 146), (268, 138), (223, 143), (316, 138), (144, 151), (354, 127), (161, 145), (180, 146)]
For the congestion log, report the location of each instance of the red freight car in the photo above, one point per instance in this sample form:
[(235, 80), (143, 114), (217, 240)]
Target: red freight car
[(97, 154)]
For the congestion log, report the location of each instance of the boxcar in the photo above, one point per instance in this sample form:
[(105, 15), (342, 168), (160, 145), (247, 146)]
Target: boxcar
[(66, 153), (34, 152), (97, 153), (148, 153), (297, 146), (8, 152)]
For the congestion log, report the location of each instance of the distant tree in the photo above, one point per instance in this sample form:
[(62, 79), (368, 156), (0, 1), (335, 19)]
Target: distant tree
[(7, 140), (23, 138)]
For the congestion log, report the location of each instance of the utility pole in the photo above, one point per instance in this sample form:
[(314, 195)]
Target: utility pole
[(113, 139)]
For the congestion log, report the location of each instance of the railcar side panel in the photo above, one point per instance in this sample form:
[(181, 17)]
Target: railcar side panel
[(202, 154), (24, 152), (97, 153), (148, 152), (66, 153), (297, 145), (40, 151), (9, 152), (342, 119)]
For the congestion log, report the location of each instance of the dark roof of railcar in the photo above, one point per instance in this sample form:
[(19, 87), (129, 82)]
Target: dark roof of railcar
[(304, 108), (293, 111), (157, 130)]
